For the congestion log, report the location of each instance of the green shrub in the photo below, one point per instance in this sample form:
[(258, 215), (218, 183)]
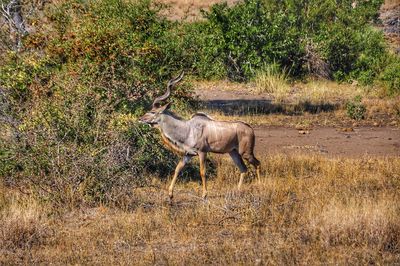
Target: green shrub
[(248, 35), (356, 109), (322, 38), (391, 76), (371, 56), (237, 41)]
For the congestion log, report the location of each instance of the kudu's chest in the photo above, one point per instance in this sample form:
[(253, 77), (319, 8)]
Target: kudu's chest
[(178, 147), (172, 145)]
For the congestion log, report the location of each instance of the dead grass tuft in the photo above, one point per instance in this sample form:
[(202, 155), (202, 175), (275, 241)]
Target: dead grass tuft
[(23, 225), (325, 91), (274, 81)]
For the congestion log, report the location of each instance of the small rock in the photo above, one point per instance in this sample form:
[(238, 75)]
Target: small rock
[(376, 124), (389, 138), (347, 129), (303, 132), (348, 136)]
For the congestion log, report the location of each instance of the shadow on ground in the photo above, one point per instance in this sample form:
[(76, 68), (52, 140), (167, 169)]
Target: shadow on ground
[(255, 106)]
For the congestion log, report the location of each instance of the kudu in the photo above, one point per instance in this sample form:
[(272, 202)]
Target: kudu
[(200, 135)]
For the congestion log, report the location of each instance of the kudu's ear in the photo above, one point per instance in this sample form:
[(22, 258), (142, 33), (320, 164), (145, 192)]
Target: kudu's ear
[(164, 107)]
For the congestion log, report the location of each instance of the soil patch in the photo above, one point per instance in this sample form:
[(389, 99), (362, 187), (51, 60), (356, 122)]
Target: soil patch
[(347, 142)]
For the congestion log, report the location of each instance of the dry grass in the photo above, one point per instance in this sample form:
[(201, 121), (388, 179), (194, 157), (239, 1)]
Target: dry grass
[(317, 91), (190, 9), (325, 91), (304, 210), (369, 220), (272, 80), (23, 225)]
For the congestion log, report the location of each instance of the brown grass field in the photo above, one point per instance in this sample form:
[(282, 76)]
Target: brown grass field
[(304, 210)]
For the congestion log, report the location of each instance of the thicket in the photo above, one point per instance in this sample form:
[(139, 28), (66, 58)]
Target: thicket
[(70, 100), (71, 93), (329, 39)]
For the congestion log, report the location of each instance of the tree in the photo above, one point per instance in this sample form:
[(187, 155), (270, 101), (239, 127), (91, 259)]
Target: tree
[(11, 15)]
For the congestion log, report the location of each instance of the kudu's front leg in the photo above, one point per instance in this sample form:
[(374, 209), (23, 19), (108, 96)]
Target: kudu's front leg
[(202, 159), (178, 169)]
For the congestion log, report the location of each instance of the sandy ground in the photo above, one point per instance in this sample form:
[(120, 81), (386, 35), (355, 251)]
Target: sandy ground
[(375, 141)]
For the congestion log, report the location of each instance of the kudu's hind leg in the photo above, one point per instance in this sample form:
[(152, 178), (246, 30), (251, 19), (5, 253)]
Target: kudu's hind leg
[(202, 159), (237, 159), (253, 161), (178, 169), (256, 163)]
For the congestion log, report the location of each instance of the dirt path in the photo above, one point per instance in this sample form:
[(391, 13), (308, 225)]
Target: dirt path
[(329, 141)]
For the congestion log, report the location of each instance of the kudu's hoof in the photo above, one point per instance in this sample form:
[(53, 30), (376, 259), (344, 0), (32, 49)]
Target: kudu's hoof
[(204, 196), (170, 197)]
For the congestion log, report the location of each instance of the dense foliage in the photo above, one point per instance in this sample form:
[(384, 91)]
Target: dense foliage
[(71, 94), (330, 39)]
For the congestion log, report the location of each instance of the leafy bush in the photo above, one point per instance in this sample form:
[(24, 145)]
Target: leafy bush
[(391, 76), (321, 38), (246, 36), (74, 149), (356, 109)]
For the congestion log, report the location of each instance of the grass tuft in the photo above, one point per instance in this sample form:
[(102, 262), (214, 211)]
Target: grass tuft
[(23, 223), (271, 79)]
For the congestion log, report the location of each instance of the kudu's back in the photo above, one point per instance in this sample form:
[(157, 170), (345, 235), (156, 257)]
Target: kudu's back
[(224, 136)]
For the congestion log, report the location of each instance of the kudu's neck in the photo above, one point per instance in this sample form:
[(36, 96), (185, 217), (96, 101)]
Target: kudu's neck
[(174, 127)]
